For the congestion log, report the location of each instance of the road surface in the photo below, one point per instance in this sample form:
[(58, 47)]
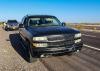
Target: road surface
[(13, 56)]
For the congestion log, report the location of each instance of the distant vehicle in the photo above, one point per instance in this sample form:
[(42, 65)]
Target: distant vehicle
[(11, 25), (45, 35)]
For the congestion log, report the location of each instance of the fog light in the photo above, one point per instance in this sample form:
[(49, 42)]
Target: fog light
[(40, 44), (78, 40)]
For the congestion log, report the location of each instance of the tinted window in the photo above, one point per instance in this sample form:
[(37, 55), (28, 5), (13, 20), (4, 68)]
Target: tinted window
[(12, 22), (44, 21)]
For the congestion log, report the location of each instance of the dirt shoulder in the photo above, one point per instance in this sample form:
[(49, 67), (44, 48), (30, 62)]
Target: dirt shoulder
[(10, 60)]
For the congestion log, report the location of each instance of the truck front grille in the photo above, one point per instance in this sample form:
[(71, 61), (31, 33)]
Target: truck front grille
[(60, 40)]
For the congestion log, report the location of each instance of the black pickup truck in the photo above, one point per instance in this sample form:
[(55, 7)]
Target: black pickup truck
[(46, 35)]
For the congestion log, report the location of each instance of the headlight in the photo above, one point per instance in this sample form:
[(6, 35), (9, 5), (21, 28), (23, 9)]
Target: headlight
[(39, 38), (78, 40), (78, 35), (40, 44)]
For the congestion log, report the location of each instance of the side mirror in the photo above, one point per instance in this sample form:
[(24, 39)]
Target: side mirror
[(63, 24), (21, 26)]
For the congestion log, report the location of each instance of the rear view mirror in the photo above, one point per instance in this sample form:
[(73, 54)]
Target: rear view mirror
[(21, 26), (63, 24)]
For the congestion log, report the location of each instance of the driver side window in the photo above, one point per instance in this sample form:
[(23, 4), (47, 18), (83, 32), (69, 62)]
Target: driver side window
[(24, 22)]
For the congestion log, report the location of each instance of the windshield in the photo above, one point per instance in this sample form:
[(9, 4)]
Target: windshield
[(12, 22), (44, 21)]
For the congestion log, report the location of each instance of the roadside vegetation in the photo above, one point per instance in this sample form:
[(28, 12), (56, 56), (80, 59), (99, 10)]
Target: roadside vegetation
[(1, 23), (81, 26)]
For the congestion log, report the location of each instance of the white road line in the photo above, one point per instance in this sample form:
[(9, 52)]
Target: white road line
[(91, 47), (88, 35)]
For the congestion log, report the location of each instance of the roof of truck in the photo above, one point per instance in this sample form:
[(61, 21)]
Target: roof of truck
[(40, 16)]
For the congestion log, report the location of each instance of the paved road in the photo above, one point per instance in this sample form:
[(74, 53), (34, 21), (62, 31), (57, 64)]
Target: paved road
[(91, 38), (13, 56)]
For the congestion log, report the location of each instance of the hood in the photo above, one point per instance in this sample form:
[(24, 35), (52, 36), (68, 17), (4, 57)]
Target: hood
[(53, 30)]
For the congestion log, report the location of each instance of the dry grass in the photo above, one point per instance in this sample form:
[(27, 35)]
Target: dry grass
[(91, 27)]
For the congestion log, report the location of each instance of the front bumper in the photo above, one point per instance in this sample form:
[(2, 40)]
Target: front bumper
[(13, 28), (58, 50)]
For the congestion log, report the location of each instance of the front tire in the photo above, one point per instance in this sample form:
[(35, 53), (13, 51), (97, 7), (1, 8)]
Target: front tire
[(6, 29), (31, 56)]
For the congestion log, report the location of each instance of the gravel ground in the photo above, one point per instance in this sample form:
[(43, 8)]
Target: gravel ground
[(10, 60)]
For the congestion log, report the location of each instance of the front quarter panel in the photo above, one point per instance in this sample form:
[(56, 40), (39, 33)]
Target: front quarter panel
[(26, 34)]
